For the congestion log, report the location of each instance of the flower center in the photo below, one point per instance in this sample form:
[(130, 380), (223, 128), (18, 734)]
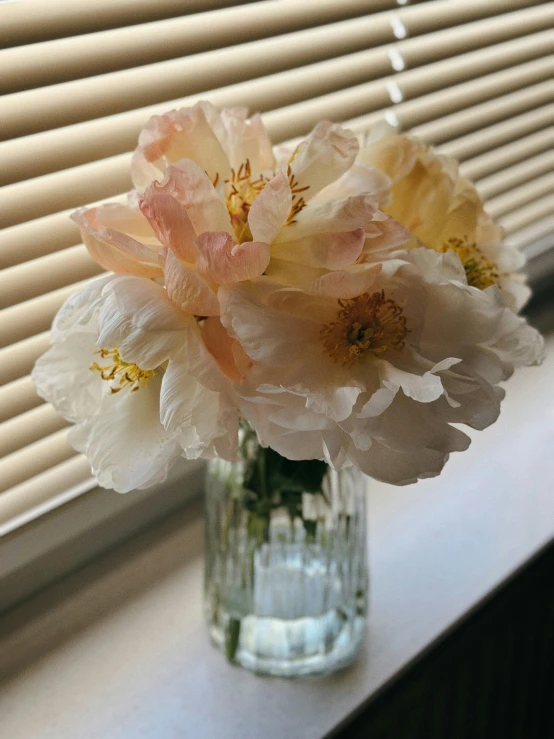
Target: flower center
[(241, 191), (480, 271), (366, 324), (120, 374)]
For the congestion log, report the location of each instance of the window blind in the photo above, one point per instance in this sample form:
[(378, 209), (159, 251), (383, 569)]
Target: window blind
[(79, 81)]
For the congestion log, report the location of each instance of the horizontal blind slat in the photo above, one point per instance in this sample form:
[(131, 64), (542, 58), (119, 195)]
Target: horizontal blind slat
[(40, 153), (68, 188), (34, 459), (41, 488), (528, 238), (468, 117), (44, 19), (71, 102), (18, 359), (45, 274), (41, 236), (29, 427), (427, 107), (510, 177), (503, 156), (516, 198), (33, 316), (18, 397), (530, 213), (138, 45), (83, 184)]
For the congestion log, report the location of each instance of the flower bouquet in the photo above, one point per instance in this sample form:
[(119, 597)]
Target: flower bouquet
[(298, 316)]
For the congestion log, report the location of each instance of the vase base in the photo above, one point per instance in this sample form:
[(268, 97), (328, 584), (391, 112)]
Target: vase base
[(291, 647)]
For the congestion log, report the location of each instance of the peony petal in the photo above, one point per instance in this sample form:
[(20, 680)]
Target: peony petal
[(202, 420), (114, 250), (335, 216), (141, 321), (186, 288), (227, 352), (170, 222), (222, 262), (179, 134), (78, 313), (63, 377), (329, 250), (383, 238), (193, 189), (345, 284), (243, 139), (271, 209), (264, 333), (125, 443), (360, 179), (328, 152)]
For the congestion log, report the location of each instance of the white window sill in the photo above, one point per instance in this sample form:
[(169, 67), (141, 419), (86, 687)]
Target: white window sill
[(119, 649)]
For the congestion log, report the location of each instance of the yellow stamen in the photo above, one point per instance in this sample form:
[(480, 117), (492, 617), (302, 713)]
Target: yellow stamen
[(241, 191), (298, 203), (480, 271), (119, 373), (366, 324)]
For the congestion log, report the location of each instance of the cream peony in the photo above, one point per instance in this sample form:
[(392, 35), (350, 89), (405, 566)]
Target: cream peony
[(373, 365), (137, 376), (445, 212)]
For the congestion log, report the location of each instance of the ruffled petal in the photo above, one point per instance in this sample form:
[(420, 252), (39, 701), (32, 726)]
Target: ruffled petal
[(360, 179), (114, 250), (335, 216), (170, 222), (179, 134), (227, 352), (203, 420), (328, 152), (191, 187), (63, 377), (125, 443), (271, 209), (241, 137), (329, 250), (186, 289), (138, 318), (222, 262)]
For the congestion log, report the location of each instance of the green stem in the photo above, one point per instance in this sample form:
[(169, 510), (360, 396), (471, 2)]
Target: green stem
[(262, 472), (232, 637)]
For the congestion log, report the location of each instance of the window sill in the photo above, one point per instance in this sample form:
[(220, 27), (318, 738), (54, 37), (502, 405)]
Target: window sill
[(119, 648)]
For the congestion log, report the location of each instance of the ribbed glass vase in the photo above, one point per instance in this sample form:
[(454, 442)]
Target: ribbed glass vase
[(286, 562)]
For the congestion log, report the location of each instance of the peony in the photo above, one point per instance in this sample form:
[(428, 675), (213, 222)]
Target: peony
[(210, 188), (371, 366), (137, 376), (352, 305), (445, 212)]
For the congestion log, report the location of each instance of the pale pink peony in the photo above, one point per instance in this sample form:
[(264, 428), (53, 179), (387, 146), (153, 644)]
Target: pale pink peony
[(212, 191)]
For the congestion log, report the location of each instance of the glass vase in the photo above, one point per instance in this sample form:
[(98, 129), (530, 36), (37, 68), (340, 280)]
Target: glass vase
[(286, 562)]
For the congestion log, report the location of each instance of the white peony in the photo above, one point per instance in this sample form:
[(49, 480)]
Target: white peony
[(374, 364), (133, 371)]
